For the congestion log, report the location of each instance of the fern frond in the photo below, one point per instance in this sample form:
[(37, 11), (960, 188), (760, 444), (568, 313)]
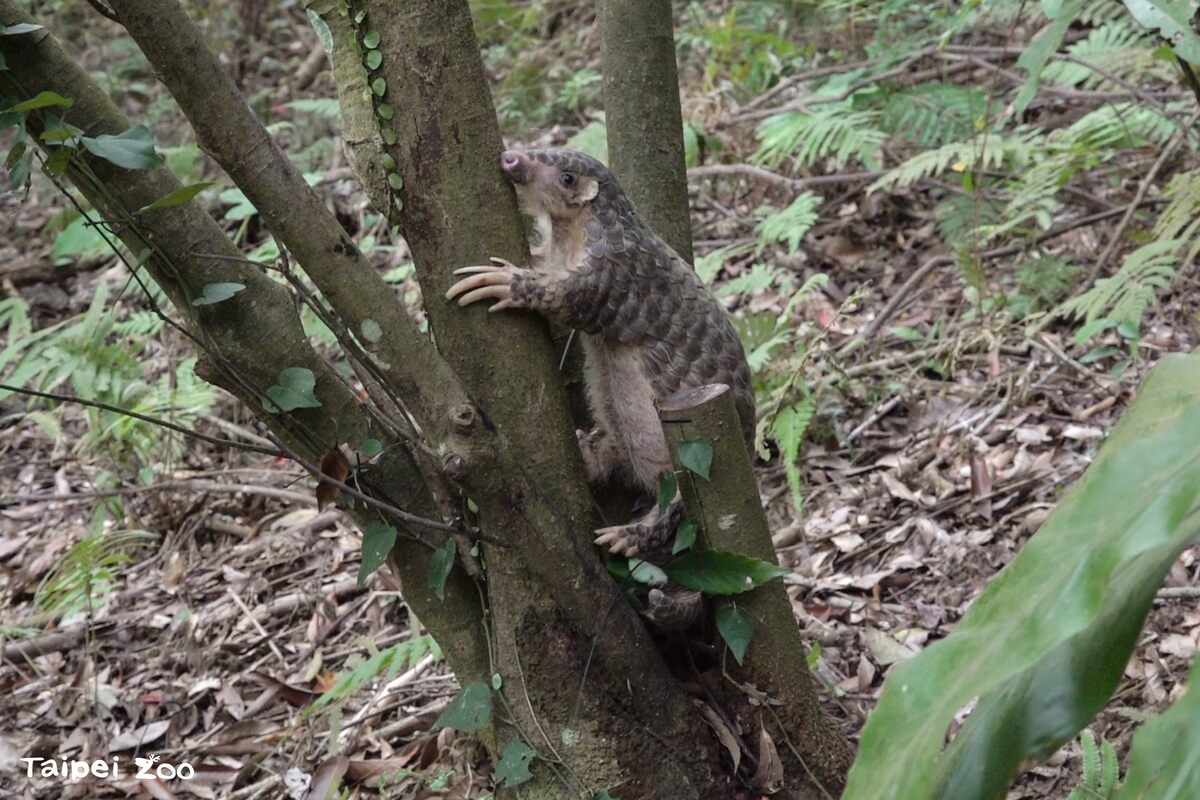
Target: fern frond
[(1181, 218), (1116, 47), (932, 114), (788, 429), (1125, 296), (788, 224), (834, 130), (1014, 150)]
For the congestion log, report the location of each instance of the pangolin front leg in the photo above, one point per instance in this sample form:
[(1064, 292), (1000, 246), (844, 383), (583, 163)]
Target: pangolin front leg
[(488, 282)]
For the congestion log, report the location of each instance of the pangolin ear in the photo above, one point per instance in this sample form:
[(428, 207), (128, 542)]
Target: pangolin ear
[(588, 189)]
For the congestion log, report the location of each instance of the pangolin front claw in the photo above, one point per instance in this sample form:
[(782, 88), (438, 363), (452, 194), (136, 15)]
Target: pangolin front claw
[(487, 282)]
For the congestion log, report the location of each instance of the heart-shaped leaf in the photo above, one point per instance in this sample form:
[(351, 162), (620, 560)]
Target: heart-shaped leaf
[(378, 539), (217, 293), (133, 149), (721, 572), (294, 390)]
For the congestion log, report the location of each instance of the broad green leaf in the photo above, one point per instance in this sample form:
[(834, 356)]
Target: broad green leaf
[(321, 29), (19, 28), (371, 330), (133, 149), (217, 293), (374, 59), (667, 484), (294, 390), (371, 40), (736, 628), (697, 456), (1164, 760), (177, 197), (1043, 46), (647, 573), (685, 537), (440, 566), (1171, 19), (19, 169), (377, 541), (372, 447), (470, 709), (1045, 644), (721, 572), (42, 100), (513, 769), (83, 239)]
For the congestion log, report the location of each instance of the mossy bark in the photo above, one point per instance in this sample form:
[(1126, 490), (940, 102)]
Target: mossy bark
[(729, 514), (643, 115)]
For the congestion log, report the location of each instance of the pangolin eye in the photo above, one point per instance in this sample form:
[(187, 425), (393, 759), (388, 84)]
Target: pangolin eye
[(568, 179)]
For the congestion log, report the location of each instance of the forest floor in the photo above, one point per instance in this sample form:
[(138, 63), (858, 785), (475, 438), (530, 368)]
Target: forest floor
[(932, 461)]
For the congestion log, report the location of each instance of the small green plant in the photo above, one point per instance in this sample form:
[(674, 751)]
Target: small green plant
[(1099, 769), (78, 583)]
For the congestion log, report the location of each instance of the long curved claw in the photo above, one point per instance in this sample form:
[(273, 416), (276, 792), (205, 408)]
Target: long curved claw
[(485, 282)]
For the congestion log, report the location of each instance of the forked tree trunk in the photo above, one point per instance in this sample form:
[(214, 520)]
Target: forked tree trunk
[(581, 680)]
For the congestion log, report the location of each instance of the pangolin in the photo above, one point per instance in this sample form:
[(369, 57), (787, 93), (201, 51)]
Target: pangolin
[(650, 326)]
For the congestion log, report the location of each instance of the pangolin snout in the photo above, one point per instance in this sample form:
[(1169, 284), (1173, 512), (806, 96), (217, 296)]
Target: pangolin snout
[(516, 166)]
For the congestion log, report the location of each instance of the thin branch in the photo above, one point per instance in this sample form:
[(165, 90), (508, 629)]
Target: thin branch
[(778, 179), (162, 423)]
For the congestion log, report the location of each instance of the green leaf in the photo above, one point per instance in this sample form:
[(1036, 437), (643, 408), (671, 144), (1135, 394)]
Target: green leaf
[(667, 485), (470, 709), (685, 537), (379, 87), (19, 169), (321, 29), (177, 197), (736, 628), (440, 566), (1172, 19), (371, 40), (1046, 643), (377, 541), (721, 572), (133, 149), (19, 28), (1044, 44), (385, 111), (513, 769), (697, 456), (788, 429), (1164, 760), (372, 447), (647, 573), (294, 390), (374, 59), (217, 293), (371, 330), (42, 100)]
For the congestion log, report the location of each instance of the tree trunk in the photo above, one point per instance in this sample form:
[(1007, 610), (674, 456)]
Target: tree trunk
[(727, 510), (580, 679), (247, 340), (643, 115)]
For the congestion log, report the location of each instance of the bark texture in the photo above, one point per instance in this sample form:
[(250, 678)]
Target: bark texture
[(643, 115), (729, 514)]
